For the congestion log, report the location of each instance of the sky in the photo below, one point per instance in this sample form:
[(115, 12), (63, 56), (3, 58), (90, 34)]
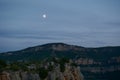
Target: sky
[(88, 23)]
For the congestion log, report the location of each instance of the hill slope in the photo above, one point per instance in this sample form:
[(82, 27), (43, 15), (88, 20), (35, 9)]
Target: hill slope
[(61, 50)]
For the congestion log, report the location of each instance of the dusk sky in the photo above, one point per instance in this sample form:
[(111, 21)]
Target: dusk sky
[(88, 23)]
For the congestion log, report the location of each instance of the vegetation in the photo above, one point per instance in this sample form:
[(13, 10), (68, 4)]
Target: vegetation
[(50, 68), (74, 64), (62, 67), (2, 65), (43, 73), (62, 62), (113, 75), (98, 54), (14, 67), (100, 57)]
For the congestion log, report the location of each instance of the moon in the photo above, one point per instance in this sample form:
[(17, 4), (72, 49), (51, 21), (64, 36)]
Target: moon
[(44, 16)]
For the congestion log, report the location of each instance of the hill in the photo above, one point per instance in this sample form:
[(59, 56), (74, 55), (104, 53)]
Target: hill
[(95, 63), (61, 50)]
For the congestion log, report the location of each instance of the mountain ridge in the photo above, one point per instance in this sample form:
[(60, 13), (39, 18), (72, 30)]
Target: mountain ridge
[(60, 50), (95, 63), (50, 45)]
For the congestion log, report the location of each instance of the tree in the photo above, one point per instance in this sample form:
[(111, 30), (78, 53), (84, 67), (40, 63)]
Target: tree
[(3, 65), (62, 63), (43, 73)]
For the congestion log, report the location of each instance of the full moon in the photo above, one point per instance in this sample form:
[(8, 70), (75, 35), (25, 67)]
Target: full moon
[(44, 16)]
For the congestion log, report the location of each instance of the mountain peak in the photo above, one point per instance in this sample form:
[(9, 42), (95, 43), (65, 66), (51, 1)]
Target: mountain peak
[(51, 44), (57, 46), (54, 46)]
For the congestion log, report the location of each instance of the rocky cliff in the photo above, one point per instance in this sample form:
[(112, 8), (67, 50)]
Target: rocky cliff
[(50, 70), (19, 76), (70, 73)]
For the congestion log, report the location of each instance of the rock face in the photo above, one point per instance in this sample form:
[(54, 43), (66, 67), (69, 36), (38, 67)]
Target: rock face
[(29, 76), (70, 73), (54, 69), (4, 76), (19, 76)]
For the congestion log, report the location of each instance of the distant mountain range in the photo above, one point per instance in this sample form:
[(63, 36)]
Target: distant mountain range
[(61, 50)]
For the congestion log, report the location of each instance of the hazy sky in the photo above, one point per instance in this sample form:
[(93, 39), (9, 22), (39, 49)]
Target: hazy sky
[(88, 23)]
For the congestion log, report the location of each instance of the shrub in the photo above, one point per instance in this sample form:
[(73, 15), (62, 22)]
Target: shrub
[(14, 67), (62, 67)]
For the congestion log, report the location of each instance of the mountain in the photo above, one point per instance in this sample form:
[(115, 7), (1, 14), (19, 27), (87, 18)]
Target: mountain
[(101, 63), (61, 50)]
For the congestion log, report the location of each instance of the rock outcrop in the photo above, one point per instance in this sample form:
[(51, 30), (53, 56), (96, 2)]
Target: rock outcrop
[(55, 69), (19, 76), (70, 73), (4, 76)]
